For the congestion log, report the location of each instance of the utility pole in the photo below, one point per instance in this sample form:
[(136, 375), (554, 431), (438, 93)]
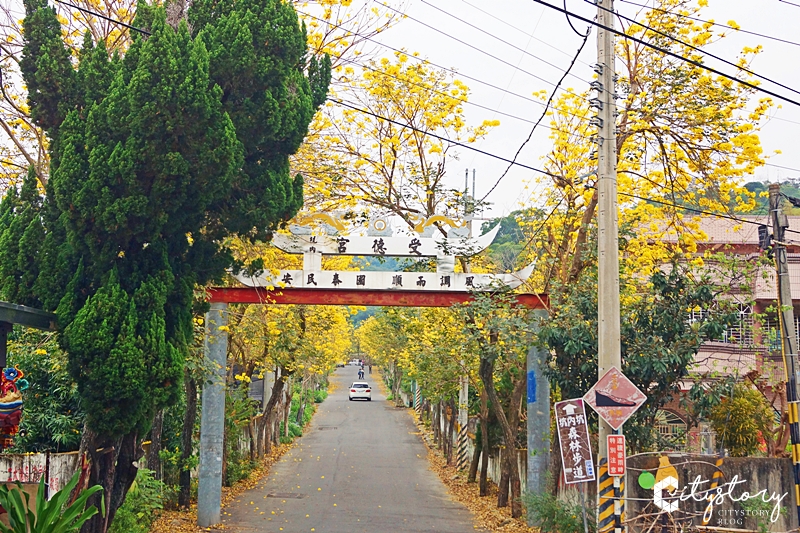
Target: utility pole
[(609, 499), (462, 439), (788, 338)]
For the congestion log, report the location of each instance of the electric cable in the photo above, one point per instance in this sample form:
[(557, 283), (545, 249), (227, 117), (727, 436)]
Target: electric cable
[(501, 21), (691, 46), (493, 36), (544, 113), (454, 72), (454, 143), (700, 211), (433, 90), (145, 32), (104, 17), (569, 21), (477, 49), (790, 3), (697, 19), (672, 54)]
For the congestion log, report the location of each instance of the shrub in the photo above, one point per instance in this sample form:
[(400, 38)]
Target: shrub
[(295, 430), (741, 419), (145, 497), (320, 395), (552, 515)]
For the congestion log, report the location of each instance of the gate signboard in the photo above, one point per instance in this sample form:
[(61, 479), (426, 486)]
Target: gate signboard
[(573, 436)]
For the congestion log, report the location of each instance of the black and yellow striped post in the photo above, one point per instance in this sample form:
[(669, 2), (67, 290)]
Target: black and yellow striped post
[(715, 480), (607, 498), (794, 433)]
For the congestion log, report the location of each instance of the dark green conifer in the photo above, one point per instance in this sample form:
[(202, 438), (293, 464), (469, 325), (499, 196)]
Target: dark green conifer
[(156, 158)]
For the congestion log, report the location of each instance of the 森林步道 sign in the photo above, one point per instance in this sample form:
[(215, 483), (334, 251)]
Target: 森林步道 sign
[(573, 433)]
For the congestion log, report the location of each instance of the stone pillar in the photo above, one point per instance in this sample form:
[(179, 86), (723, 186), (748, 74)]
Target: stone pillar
[(212, 421)]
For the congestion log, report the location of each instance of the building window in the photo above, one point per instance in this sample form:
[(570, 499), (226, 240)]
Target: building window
[(671, 431), (740, 333)]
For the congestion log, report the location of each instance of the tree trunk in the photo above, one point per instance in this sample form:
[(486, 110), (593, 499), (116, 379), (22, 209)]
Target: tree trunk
[(153, 454), (251, 437), (224, 454), (473, 466), (484, 481), (287, 407), (505, 475), (112, 466), (451, 432), (398, 402), (187, 434), (433, 425), (301, 407), (266, 434), (486, 371)]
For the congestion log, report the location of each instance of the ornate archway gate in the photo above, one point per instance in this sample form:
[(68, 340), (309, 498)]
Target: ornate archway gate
[(315, 286)]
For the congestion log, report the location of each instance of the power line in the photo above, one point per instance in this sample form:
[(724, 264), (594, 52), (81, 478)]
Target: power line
[(109, 19), (476, 80), (459, 74), (454, 143), (691, 46), (544, 113), (697, 19), (501, 21), (433, 90), (671, 54), (512, 45), (700, 211), (477, 49), (790, 3), (569, 21)]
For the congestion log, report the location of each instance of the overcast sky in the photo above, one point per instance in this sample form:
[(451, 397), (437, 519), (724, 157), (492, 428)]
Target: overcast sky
[(546, 34)]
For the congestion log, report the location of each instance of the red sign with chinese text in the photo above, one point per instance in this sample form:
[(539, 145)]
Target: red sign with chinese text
[(616, 455)]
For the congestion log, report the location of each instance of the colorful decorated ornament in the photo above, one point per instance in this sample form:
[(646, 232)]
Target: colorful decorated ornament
[(11, 386)]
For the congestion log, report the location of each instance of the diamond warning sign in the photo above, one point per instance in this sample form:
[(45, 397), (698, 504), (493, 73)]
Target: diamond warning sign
[(614, 397)]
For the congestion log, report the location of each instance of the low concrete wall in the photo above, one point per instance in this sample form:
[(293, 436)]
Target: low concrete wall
[(743, 478), (56, 468)]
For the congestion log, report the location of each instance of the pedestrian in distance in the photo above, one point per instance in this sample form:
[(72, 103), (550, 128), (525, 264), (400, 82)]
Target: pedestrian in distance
[(370, 368), (360, 373)]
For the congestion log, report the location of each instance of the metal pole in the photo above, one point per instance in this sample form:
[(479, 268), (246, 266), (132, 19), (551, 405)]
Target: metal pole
[(787, 328), (607, 241), (212, 418), (538, 416)]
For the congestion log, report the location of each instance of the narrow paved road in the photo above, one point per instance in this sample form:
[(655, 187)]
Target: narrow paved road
[(360, 467)]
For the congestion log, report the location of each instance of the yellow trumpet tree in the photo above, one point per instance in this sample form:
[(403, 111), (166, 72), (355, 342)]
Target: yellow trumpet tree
[(300, 342), (355, 157), (685, 137)]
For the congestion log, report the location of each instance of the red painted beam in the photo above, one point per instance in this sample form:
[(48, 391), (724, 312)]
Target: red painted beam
[(258, 295)]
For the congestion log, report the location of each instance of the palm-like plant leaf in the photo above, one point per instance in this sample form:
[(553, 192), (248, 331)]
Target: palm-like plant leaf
[(51, 516)]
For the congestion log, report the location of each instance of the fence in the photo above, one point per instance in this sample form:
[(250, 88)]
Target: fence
[(753, 491), (56, 468)]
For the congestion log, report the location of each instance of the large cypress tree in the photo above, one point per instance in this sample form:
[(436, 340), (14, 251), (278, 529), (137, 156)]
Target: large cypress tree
[(156, 157)]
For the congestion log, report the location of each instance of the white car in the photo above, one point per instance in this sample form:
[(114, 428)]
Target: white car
[(354, 362), (360, 389)]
